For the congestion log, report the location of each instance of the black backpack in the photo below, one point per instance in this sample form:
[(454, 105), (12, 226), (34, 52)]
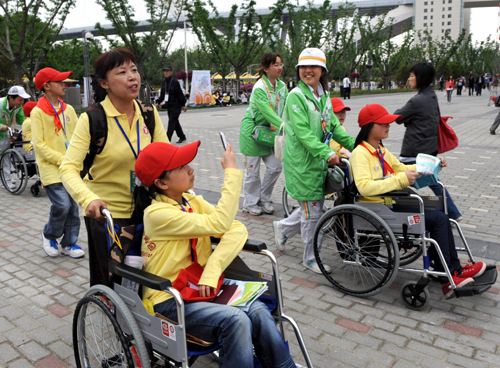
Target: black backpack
[(98, 129)]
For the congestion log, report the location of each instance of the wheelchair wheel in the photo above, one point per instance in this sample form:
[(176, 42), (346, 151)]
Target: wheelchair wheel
[(18, 179), (412, 298), (360, 249), (35, 190), (128, 328), (100, 341)]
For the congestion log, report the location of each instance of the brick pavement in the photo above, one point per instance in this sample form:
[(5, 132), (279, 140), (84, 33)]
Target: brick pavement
[(40, 293)]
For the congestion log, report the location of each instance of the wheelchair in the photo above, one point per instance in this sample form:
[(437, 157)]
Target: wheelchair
[(112, 328), (22, 165), (367, 243)]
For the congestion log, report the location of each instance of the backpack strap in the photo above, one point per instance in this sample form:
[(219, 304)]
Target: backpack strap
[(98, 130), (148, 114)]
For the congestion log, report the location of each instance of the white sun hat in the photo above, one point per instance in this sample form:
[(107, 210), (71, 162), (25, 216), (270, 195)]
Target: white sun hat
[(312, 56)]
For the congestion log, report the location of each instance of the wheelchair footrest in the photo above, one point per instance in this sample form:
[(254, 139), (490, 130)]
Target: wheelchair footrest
[(481, 284)]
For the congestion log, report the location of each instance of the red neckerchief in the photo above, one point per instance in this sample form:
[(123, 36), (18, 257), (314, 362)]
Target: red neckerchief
[(385, 164), (46, 107)]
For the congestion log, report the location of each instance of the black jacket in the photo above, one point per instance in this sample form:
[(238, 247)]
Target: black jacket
[(176, 97), (421, 119)]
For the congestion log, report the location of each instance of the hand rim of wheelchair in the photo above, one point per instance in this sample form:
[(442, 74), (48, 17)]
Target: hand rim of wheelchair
[(118, 303), (20, 168), (119, 355), (378, 263), (413, 299)]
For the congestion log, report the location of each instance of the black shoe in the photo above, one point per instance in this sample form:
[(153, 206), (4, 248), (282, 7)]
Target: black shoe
[(492, 132), (181, 140)]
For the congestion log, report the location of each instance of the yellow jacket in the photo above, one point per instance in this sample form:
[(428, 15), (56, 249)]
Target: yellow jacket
[(27, 134), (50, 147), (336, 147), (367, 172), (168, 232), (112, 168)]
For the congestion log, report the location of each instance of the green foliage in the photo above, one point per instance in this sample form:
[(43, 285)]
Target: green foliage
[(402, 75)]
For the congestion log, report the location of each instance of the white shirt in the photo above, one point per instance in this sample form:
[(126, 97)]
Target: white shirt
[(346, 82), (320, 92)]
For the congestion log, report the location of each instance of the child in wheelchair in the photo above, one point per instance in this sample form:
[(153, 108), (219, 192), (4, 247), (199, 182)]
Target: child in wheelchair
[(177, 230), (376, 171)]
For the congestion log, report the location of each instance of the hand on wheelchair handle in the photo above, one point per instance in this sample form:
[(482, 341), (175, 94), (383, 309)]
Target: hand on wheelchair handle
[(228, 160), (93, 210), (411, 175), (334, 160), (4, 128)]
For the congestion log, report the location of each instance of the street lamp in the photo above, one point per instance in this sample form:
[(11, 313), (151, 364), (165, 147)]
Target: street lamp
[(185, 53), (369, 66), (86, 89)]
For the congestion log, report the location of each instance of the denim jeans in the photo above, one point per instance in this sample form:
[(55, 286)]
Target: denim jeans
[(236, 331), (63, 219), (453, 211)]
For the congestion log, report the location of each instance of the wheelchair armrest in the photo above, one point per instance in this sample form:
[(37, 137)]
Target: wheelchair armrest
[(395, 193), (250, 245), (142, 277)]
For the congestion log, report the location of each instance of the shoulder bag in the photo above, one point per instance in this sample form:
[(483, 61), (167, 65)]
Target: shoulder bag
[(447, 139)]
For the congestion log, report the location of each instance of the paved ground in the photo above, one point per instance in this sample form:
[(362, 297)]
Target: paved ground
[(38, 294)]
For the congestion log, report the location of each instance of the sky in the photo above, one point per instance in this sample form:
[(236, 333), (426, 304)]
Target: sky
[(87, 13)]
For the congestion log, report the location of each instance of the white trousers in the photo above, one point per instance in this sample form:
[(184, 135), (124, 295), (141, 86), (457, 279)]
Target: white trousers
[(256, 191), (303, 220)]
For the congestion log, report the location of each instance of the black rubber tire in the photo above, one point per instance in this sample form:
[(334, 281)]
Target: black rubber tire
[(114, 356), (412, 299), (364, 267), (18, 169), (35, 190)]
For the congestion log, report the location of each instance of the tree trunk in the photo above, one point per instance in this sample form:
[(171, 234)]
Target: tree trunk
[(18, 73)]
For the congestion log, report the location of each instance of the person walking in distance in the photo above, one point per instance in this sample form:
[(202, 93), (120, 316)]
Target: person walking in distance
[(460, 85), (479, 84), (441, 83), (172, 98), (450, 85), (291, 84), (347, 87), (471, 85)]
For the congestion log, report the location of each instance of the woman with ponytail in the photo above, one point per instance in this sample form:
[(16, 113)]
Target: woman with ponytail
[(111, 178)]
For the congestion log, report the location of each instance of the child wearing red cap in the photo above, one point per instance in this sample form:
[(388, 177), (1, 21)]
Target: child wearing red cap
[(52, 126), (339, 109), (377, 171), (28, 106), (177, 231)]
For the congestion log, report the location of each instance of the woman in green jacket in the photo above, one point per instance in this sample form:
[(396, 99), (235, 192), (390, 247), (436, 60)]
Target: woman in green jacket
[(308, 121), (265, 108)]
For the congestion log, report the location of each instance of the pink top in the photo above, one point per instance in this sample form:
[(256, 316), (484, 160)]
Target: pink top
[(450, 84)]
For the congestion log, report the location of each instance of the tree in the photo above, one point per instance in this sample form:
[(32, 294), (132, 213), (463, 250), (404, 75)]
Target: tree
[(25, 38), (234, 41), (150, 47)]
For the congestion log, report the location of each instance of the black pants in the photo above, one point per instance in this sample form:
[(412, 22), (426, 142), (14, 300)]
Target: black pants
[(98, 249), (471, 90), (174, 124), (479, 89), (459, 90), (347, 92)]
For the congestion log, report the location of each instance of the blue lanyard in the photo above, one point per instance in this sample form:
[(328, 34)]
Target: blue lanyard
[(183, 209), (381, 159), (128, 140), (63, 122)]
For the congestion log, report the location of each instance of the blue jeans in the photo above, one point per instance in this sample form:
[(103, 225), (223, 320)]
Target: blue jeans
[(236, 331), (453, 211), (63, 219)]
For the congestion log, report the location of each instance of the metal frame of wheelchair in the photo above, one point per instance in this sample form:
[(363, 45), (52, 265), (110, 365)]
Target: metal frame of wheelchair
[(358, 241), (135, 335), (23, 167)]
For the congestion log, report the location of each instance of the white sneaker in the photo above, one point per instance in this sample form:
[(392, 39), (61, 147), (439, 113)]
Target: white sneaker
[(279, 238), (252, 211), (266, 207), (74, 251), (51, 247), (313, 266)]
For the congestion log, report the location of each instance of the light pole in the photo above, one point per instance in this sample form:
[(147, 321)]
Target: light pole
[(86, 36), (185, 53)]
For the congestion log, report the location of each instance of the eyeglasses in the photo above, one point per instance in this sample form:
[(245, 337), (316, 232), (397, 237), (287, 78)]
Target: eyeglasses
[(279, 65)]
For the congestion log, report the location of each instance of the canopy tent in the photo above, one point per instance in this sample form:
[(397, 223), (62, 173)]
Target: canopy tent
[(217, 76), (248, 76), (231, 76), (25, 79)]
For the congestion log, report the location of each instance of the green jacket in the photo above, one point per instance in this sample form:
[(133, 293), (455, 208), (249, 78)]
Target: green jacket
[(260, 104), (9, 117), (305, 157)]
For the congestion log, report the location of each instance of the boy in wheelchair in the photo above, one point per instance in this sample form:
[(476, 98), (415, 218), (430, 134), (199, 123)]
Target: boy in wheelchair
[(177, 230), (376, 171)]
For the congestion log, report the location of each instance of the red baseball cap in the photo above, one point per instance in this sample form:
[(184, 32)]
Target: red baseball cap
[(28, 106), (50, 75), (338, 105), (376, 113), (158, 157)]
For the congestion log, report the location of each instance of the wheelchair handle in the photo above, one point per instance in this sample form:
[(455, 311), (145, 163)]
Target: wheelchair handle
[(111, 225)]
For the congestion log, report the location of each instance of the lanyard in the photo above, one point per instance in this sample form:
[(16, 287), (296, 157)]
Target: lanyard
[(194, 242), (381, 159), (323, 115), (278, 98), (128, 140), (63, 122)]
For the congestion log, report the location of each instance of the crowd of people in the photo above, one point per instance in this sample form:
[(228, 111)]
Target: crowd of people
[(118, 156), (472, 84)]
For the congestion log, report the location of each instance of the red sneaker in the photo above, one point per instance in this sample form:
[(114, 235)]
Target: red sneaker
[(459, 283), (475, 270)]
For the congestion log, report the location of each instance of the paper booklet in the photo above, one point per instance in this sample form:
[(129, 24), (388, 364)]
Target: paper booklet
[(240, 294)]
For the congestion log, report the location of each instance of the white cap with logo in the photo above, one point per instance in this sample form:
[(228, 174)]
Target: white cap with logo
[(312, 56), (18, 91)]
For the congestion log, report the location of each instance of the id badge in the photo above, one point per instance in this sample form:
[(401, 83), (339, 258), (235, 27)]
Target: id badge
[(165, 100), (133, 181), (67, 145)]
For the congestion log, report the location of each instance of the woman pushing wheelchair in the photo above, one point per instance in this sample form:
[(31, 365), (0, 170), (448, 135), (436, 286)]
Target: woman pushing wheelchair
[(177, 231), (377, 171)]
